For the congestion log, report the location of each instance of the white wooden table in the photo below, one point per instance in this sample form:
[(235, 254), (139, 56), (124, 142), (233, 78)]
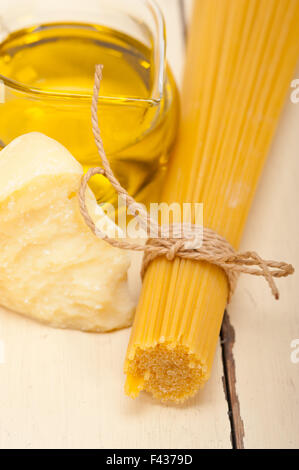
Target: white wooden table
[(65, 388)]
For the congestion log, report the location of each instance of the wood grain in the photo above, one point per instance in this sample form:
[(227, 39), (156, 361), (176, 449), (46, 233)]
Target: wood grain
[(65, 388)]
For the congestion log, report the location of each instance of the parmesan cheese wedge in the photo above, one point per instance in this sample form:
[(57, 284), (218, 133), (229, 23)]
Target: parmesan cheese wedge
[(52, 268)]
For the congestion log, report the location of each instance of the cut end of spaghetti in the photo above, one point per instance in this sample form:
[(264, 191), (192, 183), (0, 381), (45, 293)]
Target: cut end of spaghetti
[(168, 371)]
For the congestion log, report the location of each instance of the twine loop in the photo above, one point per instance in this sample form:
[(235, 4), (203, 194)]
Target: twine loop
[(185, 241)]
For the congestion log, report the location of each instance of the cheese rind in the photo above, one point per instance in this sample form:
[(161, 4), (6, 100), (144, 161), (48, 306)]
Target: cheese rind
[(52, 268)]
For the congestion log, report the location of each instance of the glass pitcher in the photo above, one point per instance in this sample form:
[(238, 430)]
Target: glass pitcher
[(48, 50)]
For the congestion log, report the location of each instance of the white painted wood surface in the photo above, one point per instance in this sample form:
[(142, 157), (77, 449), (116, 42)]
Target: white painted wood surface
[(267, 380), (64, 389)]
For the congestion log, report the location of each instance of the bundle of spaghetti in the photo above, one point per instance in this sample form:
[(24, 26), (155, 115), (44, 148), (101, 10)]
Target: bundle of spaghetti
[(240, 59)]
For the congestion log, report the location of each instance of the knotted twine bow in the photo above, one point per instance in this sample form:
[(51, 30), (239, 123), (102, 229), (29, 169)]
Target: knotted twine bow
[(214, 248)]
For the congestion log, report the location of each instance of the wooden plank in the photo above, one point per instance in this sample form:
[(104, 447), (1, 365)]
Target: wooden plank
[(65, 388), (262, 382), (267, 381)]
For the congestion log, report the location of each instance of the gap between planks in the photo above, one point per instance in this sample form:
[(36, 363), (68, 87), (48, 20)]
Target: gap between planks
[(227, 338), (227, 334)]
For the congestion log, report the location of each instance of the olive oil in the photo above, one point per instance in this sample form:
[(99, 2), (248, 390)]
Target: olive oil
[(48, 73)]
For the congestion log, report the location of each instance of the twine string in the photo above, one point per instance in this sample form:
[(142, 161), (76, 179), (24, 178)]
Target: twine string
[(164, 241)]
